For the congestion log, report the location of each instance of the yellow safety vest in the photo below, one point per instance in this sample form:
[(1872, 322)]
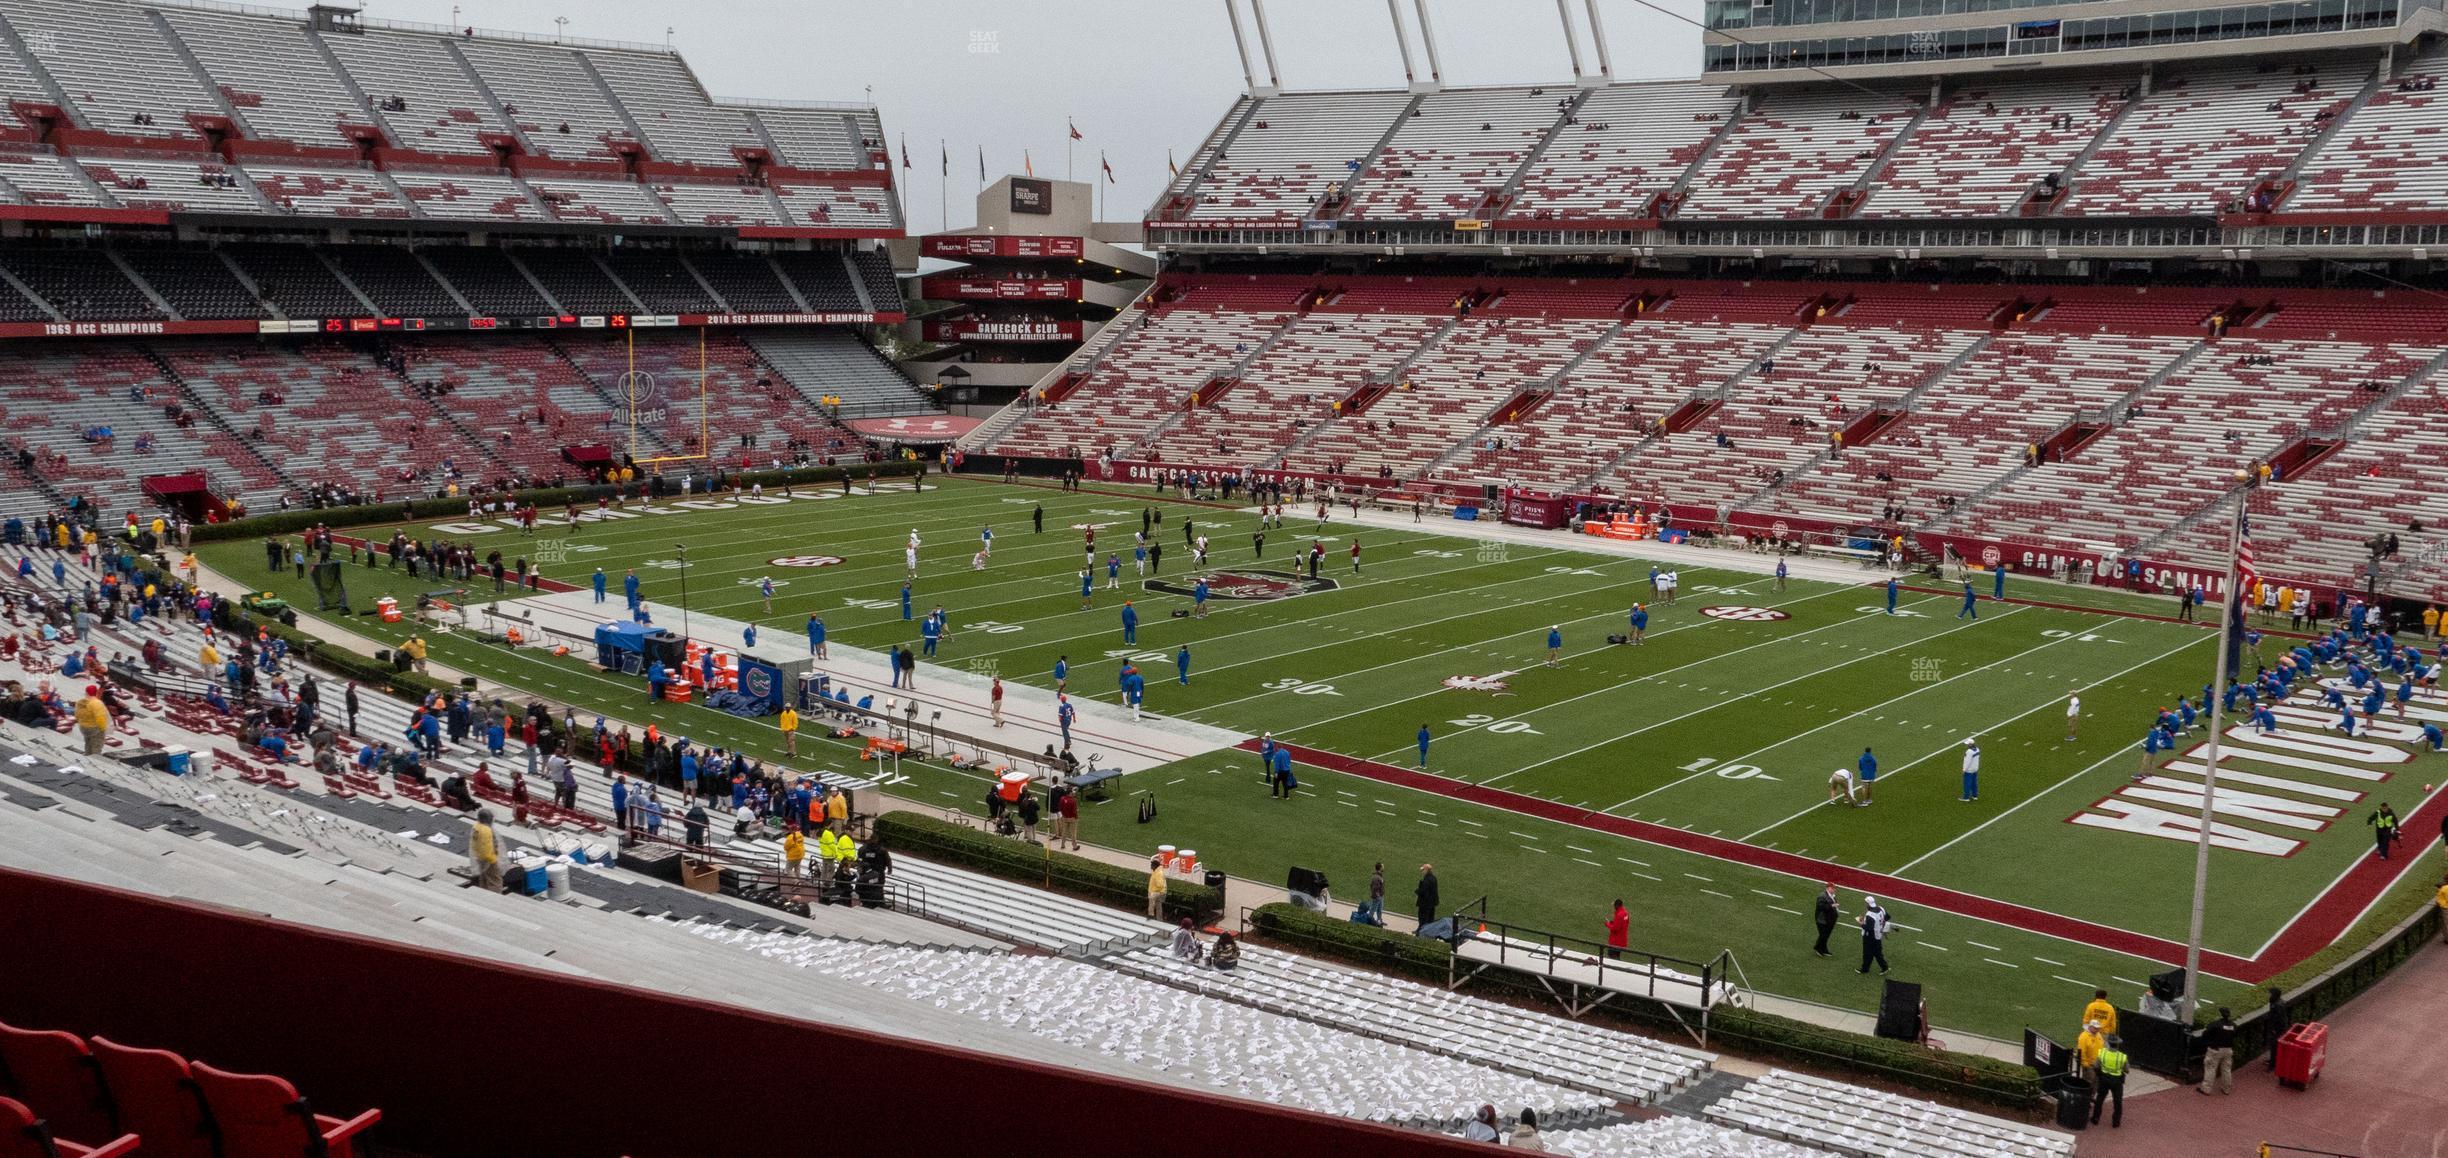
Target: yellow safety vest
[(2112, 1063)]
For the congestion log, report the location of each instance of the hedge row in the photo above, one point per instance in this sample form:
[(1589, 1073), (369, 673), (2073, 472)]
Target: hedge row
[(312, 649), (1122, 887), (1962, 1075), (285, 522)]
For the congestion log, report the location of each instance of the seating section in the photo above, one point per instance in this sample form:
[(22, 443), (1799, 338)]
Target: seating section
[(2383, 482), (1978, 425), (54, 401), (196, 282), (82, 283), (419, 90), (1789, 157), (2385, 156), (2201, 139), (330, 413), (1292, 387), (1670, 1137), (321, 192), (837, 206), (1987, 145), (457, 194), (41, 177), (488, 279), (741, 395), (1853, 1120), (1145, 377), (522, 399), (551, 95), (1609, 403), (601, 202), (746, 281), (826, 140), (1222, 1044), (820, 277), (1294, 150), (396, 281), (836, 364), (875, 273), (271, 75), (661, 281), (574, 279), (1628, 144), (1479, 365), (1602, 1061), (112, 61), (1454, 153), (297, 280), (2242, 400), (165, 183), (104, 1092), (731, 204), (671, 108), (1780, 415)]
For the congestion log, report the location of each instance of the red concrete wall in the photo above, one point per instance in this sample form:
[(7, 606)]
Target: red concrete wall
[(469, 1058)]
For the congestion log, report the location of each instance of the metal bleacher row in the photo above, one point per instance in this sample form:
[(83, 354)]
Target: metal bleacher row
[(263, 418), (452, 110), (2181, 139), (1563, 385)]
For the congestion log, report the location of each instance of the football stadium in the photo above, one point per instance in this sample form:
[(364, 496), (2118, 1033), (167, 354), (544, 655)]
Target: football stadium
[(1877, 593)]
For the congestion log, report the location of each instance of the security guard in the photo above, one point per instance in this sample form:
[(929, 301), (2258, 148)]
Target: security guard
[(845, 863), (827, 854), (2111, 1082)]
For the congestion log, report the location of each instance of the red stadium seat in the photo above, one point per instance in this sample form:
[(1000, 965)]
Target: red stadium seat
[(52, 1072), (22, 1135), (261, 1116), (154, 1097)]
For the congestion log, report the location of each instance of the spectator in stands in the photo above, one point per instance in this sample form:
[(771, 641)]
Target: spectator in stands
[(1525, 1134), (1155, 888), (93, 719), (1185, 942), (1226, 952), (482, 852), (1482, 1127)]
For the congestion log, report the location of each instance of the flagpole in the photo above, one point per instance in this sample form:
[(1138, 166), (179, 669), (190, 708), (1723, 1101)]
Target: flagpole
[(2230, 623), (1070, 138), (943, 186)]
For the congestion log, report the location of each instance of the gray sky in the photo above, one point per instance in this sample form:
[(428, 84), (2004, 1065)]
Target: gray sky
[(1138, 78)]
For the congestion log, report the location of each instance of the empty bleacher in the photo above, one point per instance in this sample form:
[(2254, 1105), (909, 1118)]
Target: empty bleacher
[(324, 191), (728, 203), (1295, 149), (1440, 399), (1628, 144), (661, 281), (824, 139), (82, 283), (816, 204), (745, 280), (1453, 154), (116, 1099), (2386, 156), (489, 281), (38, 176), (1788, 157), (296, 280), (1853, 1120), (398, 284), (821, 278), (461, 194), (574, 279), (875, 274), (112, 60), (196, 282), (2204, 137), (600, 202), (1988, 144), (549, 93), (836, 364), (190, 184), (669, 106), (271, 74)]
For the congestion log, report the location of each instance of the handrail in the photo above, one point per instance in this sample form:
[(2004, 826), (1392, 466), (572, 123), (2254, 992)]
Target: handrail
[(792, 105)]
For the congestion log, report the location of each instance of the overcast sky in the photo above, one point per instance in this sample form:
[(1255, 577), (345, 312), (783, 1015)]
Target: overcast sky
[(1137, 77)]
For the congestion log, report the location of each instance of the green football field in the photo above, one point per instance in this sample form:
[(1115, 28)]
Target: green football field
[(1688, 776)]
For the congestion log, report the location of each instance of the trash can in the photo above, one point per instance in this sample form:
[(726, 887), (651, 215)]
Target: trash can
[(2073, 1100), (2301, 1053), (1215, 879)]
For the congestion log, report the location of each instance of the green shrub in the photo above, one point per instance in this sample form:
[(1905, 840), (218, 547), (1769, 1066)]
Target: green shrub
[(1968, 1076), (1122, 887), (288, 522), (1420, 958)]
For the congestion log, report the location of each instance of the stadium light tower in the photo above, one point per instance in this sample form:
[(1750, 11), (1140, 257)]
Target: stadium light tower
[(2231, 630), (560, 25)]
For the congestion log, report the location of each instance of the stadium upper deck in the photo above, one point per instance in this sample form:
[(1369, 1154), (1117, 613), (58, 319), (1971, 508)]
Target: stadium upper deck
[(127, 112)]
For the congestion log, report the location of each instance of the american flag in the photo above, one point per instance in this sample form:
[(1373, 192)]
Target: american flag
[(2245, 575)]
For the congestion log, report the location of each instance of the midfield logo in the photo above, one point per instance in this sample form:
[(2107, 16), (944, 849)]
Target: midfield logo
[(1246, 583)]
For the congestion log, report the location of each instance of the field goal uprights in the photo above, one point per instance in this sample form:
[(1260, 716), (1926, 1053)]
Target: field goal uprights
[(643, 400)]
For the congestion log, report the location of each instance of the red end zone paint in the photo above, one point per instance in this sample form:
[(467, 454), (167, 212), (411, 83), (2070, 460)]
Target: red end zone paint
[(2324, 922)]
